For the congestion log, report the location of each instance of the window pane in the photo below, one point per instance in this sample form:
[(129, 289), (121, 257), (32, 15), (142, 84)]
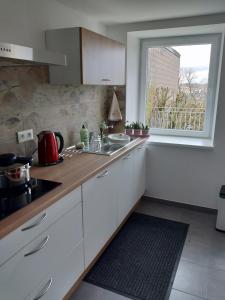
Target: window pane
[(177, 83)]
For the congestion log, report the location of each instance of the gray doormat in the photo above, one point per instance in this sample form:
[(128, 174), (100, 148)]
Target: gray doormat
[(141, 261)]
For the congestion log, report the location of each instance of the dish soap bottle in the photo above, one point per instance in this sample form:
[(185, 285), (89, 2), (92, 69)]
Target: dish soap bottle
[(84, 135)]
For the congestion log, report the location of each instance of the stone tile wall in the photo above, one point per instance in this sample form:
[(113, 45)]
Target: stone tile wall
[(28, 101)]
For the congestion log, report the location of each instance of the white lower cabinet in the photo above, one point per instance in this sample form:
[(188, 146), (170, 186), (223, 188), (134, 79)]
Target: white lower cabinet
[(20, 275), (139, 172), (17, 239), (55, 247), (130, 180), (99, 211), (57, 283), (109, 197), (125, 185)]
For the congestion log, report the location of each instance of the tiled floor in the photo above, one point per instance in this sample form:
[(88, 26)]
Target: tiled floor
[(201, 272)]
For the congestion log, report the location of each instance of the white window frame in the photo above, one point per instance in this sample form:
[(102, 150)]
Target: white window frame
[(215, 39)]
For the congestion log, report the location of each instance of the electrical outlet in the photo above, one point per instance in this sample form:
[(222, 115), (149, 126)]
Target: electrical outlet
[(25, 135)]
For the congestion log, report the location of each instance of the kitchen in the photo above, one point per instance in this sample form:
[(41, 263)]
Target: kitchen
[(29, 101)]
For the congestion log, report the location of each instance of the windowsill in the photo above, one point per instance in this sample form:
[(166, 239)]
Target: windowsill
[(181, 141)]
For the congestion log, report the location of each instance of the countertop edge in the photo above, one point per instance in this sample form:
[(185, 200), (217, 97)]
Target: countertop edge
[(23, 215)]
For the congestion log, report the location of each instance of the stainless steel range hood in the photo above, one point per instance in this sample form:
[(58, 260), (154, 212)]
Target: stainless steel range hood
[(14, 55)]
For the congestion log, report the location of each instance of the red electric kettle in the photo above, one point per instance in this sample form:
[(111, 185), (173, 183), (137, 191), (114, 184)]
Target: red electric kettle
[(48, 147)]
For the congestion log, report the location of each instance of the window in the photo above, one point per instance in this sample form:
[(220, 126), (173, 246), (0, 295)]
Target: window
[(178, 84)]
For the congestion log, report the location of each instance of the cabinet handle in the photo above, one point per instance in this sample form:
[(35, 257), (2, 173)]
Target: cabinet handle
[(44, 290), (139, 148), (36, 223), (126, 157), (103, 174), (38, 247), (106, 79)]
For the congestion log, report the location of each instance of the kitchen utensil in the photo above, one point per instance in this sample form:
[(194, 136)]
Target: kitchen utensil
[(119, 138), (14, 170), (49, 148)]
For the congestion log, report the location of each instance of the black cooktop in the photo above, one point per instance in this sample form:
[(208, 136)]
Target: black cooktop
[(16, 198)]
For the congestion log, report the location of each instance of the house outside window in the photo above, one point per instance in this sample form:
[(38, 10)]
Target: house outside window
[(179, 84)]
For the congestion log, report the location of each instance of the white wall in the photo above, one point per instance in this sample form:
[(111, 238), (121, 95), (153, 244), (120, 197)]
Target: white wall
[(187, 175), (132, 79), (24, 21), (119, 31)]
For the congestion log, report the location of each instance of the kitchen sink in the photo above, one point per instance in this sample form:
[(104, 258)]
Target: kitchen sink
[(107, 149)]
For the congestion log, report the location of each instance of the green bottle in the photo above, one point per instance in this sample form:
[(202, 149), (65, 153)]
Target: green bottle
[(84, 135)]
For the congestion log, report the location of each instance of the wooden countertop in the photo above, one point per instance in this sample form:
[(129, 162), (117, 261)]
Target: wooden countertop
[(71, 173)]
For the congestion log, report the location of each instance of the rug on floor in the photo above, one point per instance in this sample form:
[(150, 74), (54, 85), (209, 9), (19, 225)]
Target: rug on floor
[(141, 261)]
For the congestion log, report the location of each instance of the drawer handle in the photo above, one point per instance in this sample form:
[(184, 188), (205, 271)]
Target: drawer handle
[(139, 148), (39, 247), (44, 290), (106, 79), (36, 223), (126, 157), (103, 174)]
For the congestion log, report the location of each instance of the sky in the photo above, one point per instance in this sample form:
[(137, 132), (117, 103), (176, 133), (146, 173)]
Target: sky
[(196, 57)]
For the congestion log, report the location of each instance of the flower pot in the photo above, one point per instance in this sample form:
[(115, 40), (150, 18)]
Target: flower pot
[(129, 131), (145, 132), (137, 132)]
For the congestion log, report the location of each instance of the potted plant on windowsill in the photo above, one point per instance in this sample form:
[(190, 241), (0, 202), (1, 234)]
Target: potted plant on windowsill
[(137, 128), (145, 130), (128, 128)]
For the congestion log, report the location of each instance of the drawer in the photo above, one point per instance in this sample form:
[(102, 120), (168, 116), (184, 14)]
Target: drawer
[(17, 239), (24, 271), (56, 285)]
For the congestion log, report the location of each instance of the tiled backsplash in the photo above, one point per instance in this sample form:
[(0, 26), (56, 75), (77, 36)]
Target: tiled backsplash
[(28, 101)]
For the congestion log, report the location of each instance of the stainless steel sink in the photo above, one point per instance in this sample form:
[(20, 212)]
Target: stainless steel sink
[(107, 149)]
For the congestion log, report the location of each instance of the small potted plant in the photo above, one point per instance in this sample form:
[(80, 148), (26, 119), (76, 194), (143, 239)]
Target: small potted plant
[(145, 130), (137, 128), (128, 128)]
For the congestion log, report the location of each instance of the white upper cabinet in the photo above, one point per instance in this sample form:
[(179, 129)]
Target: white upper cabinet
[(91, 58)]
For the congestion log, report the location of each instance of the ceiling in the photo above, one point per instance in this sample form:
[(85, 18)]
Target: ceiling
[(123, 11)]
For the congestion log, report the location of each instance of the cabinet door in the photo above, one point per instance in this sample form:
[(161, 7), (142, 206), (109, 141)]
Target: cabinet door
[(58, 282), (125, 183), (99, 211), (139, 172), (91, 66), (23, 271), (103, 60), (23, 235)]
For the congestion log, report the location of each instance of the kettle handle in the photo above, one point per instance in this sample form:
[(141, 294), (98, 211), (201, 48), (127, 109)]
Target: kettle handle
[(61, 141)]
